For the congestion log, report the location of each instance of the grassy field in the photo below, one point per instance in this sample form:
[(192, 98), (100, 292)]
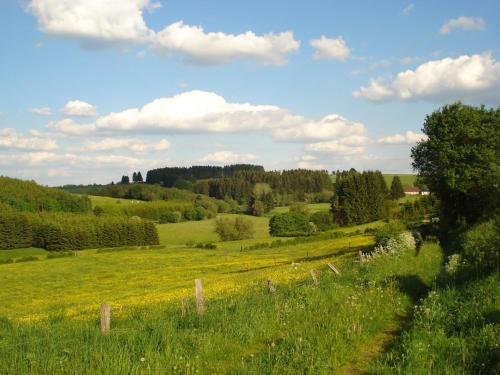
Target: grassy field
[(77, 285), (244, 331), (406, 179), (312, 207), (203, 231)]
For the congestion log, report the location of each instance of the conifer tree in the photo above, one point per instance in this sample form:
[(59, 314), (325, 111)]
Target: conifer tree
[(397, 190)]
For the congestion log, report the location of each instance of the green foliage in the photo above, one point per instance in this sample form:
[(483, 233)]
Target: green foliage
[(170, 175), (239, 228), (29, 196), (454, 331), (98, 211), (481, 246), (323, 220), (390, 230), (460, 163), (168, 217), (358, 197), (68, 231), (290, 224), (396, 190), (420, 208)]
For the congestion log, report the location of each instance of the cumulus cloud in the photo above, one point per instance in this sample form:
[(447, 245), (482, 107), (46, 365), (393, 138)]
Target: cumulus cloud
[(407, 137), (45, 111), (462, 23), (330, 48), (227, 157), (10, 139), (202, 111), (94, 22), (50, 159), (135, 145), (334, 147), (71, 127), (120, 22), (474, 77), (330, 126), (79, 108), (201, 47)]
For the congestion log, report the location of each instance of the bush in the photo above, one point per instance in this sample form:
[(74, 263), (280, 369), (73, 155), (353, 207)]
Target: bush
[(168, 217), (290, 224), (481, 245), (323, 220), (189, 214), (239, 228), (390, 230)]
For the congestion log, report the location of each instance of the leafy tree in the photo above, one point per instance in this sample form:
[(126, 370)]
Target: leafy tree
[(290, 224), (239, 228), (323, 220), (397, 190), (459, 162)]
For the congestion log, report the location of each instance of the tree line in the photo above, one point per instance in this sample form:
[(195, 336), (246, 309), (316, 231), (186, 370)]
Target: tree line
[(168, 176), (69, 231), (29, 196)]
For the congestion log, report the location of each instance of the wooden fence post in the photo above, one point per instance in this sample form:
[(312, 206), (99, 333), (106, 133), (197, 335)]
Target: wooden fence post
[(314, 277), (105, 318), (270, 286), (333, 269), (200, 301)]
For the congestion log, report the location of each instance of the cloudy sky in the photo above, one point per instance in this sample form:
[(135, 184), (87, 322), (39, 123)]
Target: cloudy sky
[(93, 89)]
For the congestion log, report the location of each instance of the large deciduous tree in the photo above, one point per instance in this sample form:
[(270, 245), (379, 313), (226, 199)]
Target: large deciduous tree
[(459, 162)]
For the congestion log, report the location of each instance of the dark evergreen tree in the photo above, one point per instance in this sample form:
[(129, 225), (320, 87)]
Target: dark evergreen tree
[(139, 177), (397, 190), (125, 180)]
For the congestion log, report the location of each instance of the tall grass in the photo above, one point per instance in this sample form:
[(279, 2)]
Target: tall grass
[(298, 329)]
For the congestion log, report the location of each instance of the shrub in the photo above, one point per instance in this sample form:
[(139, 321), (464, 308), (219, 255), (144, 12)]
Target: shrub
[(290, 224), (98, 211), (168, 217), (27, 259), (234, 229), (481, 245), (189, 214), (200, 213), (323, 220), (390, 230)]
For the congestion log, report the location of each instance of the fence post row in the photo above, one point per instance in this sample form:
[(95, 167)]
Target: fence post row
[(105, 318), (200, 300)]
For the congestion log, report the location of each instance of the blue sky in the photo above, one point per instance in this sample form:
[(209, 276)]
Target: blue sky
[(94, 89)]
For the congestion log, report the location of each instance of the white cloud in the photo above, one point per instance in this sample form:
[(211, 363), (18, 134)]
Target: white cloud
[(202, 47), (474, 77), (329, 48), (10, 139), (463, 23), (202, 111), (135, 145), (407, 10), (94, 21), (309, 165), (100, 23), (328, 127), (71, 127), (79, 108), (45, 111), (51, 159), (407, 137), (227, 157), (334, 147)]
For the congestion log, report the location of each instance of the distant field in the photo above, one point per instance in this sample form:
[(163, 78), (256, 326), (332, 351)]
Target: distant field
[(406, 179), (203, 231), (313, 207)]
